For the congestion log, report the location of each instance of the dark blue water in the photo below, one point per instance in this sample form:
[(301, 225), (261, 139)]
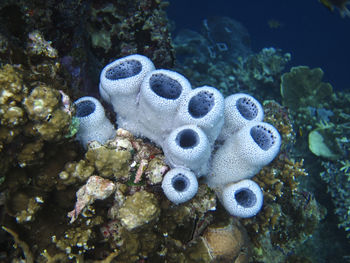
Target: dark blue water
[(313, 35)]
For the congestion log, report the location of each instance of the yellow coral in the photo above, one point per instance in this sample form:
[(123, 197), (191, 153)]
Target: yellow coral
[(109, 162), (41, 102)]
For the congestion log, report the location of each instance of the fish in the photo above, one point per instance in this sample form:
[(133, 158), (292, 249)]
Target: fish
[(274, 24)]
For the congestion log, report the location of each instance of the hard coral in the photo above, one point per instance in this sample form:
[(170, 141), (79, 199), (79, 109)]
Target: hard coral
[(289, 215), (131, 27), (13, 91)]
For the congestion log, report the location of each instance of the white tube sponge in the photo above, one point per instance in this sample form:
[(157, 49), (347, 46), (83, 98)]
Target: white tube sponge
[(203, 107), (240, 109), (120, 83), (242, 199), (180, 185), (244, 154), (93, 123), (188, 146), (161, 92)]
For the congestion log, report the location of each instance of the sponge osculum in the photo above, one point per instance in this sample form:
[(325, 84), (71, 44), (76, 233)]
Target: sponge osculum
[(120, 82), (240, 109), (188, 124), (244, 154), (242, 199), (204, 107), (179, 185), (93, 123), (188, 146), (160, 95)]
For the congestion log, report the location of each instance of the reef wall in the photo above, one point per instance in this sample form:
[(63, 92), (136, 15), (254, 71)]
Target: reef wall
[(59, 202)]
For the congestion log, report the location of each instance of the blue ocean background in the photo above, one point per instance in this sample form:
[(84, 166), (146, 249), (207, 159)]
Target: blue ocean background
[(313, 35)]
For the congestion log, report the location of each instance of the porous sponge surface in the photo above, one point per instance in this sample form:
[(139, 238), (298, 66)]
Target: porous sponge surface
[(160, 95), (242, 199), (240, 109), (188, 146), (120, 82), (244, 154), (204, 107), (162, 106), (93, 123)]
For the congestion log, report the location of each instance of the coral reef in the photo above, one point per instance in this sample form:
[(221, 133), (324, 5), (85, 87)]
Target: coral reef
[(83, 33), (302, 87), (33, 109), (129, 206), (139, 27), (244, 71), (136, 221), (337, 179), (113, 190), (145, 100), (321, 119), (290, 214), (335, 167)]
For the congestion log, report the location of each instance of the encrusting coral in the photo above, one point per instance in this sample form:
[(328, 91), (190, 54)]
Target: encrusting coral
[(33, 111)]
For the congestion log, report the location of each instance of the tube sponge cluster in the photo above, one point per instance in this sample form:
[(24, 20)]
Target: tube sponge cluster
[(189, 124)]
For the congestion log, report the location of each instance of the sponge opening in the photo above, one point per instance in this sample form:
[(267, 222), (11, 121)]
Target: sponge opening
[(245, 197), (84, 108), (201, 104), (247, 108), (123, 70), (187, 139), (263, 137), (165, 86), (180, 182)]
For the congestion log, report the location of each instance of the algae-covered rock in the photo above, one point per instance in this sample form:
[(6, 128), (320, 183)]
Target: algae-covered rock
[(76, 172), (30, 153), (302, 87), (41, 102), (23, 205), (56, 128), (74, 238), (12, 92), (50, 119), (109, 162), (139, 209), (155, 170)]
